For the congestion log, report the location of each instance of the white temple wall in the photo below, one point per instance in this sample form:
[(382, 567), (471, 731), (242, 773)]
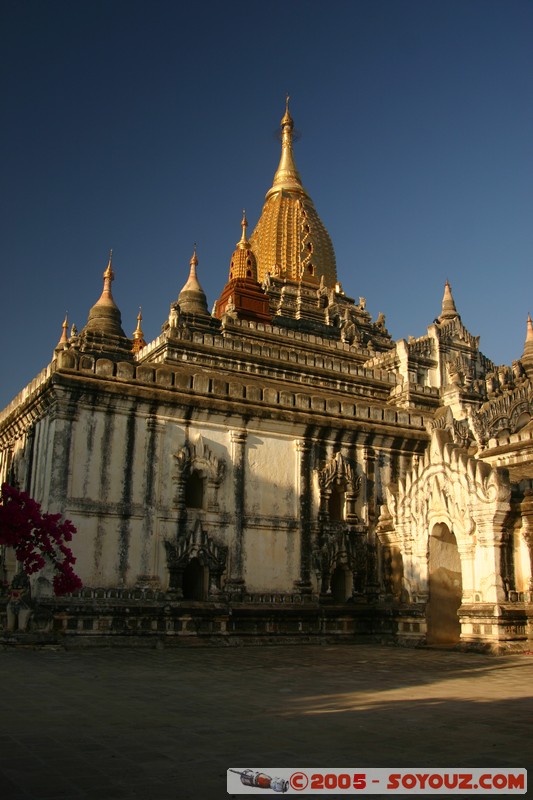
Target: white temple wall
[(122, 493), (52, 461), (120, 464), (40, 468), (269, 476), (270, 538), (271, 561)]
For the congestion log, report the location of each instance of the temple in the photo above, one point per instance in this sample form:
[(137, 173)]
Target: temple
[(280, 468)]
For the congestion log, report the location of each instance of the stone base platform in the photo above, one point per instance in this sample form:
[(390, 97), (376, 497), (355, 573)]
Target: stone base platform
[(110, 619)]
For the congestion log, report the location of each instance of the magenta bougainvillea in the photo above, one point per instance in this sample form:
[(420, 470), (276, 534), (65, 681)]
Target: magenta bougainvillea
[(37, 538)]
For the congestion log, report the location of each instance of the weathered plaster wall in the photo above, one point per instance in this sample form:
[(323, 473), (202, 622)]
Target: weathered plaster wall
[(121, 491), (269, 477), (271, 561)]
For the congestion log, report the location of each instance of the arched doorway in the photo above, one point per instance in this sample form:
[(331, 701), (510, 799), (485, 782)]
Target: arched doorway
[(445, 587), (194, 581), (340, 584)]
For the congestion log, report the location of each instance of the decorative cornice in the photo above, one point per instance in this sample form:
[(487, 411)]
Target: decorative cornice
[(503, 413)]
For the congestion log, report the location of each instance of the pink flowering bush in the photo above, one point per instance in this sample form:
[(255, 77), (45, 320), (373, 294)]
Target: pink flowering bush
[(37, 538)]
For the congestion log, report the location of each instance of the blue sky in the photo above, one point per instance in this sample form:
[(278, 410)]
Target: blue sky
[(148, 126)]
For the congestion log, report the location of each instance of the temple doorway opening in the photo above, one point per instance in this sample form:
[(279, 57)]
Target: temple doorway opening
[(341, 584), (445, 587), (194, 581)]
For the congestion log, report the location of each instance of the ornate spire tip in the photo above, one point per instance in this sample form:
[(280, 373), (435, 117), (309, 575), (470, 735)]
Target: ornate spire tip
[(287, 119)]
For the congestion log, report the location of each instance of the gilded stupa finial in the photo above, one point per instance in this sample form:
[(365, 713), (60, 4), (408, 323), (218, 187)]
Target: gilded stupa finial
[(287, 119), (109, 274), (109, 277), (64, 335), (243, 242), (287, 176), (243, 262), (194, 261), (138, 335)]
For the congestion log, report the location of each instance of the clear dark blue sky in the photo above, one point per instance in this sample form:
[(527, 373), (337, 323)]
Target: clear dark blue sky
[(148, 126)]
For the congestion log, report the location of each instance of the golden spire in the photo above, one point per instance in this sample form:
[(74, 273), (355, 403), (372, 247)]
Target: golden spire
[(242, 297), (290, 239), (286, 118), (106, 298), (287, 176), (64, 335), (109, 269), (243, 263), (449, 310), (63, 341), (138, 335), (243, 242), (193, 285)]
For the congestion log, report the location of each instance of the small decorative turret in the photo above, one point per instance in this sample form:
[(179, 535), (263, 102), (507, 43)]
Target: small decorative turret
[(63, 341), (243, 263), (103, 332), (242, 297), (138, 335), (449, 310), (104, 316), (192, 299), (527, 355)]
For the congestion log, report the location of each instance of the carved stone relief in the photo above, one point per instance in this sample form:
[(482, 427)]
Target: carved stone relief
[(196, 545), (198, 457)]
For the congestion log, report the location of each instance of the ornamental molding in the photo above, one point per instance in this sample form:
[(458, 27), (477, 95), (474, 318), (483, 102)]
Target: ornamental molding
[(460, 430), (454, 331), (196, 544), (340, 472), (423, 347), (339, 546), (447, 485), (199, 457), (503, 413)]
